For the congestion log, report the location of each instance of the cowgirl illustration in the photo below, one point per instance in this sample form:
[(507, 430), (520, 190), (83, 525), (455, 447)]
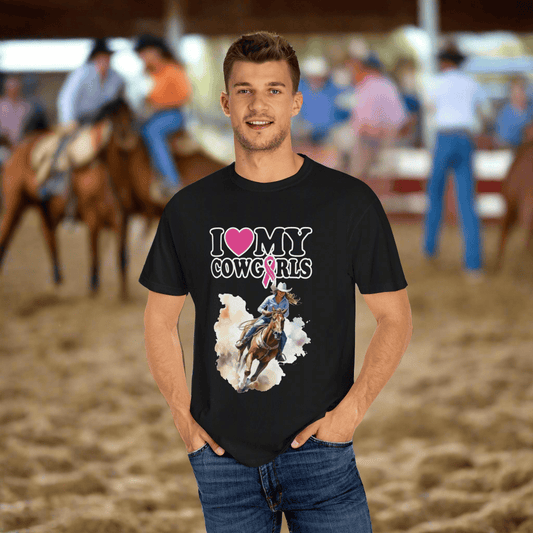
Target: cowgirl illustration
[(279, 299)]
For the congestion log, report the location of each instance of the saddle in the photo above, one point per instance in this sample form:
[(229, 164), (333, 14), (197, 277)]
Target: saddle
[(184, 144), (80, 149)]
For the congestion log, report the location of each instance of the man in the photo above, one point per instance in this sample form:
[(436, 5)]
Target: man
[(285, 445), (89, 89), (170, 92), (514, 116), (280, 299), (455, 98), (319, 92), (86, 95), (378, 114), (13, 111)]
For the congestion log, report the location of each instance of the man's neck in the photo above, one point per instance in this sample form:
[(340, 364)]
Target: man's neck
[(267, 166)]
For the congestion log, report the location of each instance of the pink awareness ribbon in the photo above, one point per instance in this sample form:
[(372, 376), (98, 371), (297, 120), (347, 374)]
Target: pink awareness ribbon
[(270, 273)]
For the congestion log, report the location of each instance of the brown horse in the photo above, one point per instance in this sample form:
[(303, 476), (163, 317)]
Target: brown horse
[(517, 189), (109, 191), (130, 167), (264, 347), (97, 206)]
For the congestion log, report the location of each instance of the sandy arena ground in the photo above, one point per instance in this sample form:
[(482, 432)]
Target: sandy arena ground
[(87, 443)]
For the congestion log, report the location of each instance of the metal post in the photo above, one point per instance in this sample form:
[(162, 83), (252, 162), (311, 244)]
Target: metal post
[(428, 20)]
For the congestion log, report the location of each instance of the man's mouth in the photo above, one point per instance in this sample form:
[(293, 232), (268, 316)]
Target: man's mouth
[(258, 124)]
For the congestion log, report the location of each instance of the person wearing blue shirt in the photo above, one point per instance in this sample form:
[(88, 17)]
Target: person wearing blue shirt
[(278, 300), (320, 112), (514, 116)]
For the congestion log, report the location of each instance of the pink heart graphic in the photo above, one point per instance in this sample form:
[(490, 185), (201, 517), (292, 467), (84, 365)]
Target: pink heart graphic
[(239, 241)]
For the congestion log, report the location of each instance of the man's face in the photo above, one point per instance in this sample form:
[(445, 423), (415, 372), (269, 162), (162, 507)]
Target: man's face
[(151, 56), (260, 92), (518, 95), (12, 87), (102, 62), (357, 70)]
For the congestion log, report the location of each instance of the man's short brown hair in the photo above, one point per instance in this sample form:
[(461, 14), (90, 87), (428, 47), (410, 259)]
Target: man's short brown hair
[(259, 47)]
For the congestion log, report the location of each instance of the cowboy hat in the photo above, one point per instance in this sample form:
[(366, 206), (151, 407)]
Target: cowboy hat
[(152, 41), (452, 54), (99, 47), (281, 287)]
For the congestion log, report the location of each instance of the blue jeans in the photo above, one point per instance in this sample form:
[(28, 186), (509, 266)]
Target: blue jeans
[(155, 132), (455, 151), (264, 320), (317, 486)]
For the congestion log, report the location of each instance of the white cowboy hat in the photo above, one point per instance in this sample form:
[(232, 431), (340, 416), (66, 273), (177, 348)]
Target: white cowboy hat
[(281, 287), (314, 66)]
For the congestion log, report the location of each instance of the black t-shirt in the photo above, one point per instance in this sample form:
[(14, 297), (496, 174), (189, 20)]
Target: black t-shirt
[(228, 241)]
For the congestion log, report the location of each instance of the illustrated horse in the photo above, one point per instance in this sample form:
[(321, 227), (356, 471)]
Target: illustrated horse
[(517, 190), (264, 347)]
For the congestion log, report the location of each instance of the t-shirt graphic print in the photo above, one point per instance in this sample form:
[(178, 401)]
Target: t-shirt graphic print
[(248, 346), (272, 270)]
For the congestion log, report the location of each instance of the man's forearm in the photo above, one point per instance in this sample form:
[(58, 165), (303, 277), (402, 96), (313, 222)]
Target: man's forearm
[(167, 365), (388, 344)]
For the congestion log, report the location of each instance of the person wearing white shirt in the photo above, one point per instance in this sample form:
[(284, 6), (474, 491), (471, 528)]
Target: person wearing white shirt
[(455, 98)]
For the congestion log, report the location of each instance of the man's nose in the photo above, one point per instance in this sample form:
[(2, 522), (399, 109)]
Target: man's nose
[(258, 102)]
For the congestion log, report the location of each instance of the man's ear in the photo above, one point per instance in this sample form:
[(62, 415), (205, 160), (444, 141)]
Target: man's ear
[(224, 103), (297, 103)]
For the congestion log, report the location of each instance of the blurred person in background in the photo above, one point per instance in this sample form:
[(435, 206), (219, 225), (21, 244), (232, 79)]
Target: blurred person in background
[(319, 112), (13, 111), (86, 95), (171, 90), (514, 116), (404, 74), (455, 98), (89, 89), (377, 116), (37, 119)]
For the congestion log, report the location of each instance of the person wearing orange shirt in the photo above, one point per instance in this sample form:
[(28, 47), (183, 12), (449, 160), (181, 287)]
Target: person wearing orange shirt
[(171, 90)]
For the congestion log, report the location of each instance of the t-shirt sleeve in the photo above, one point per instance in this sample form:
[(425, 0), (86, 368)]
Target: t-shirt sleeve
[(163, 269), (375, 262)]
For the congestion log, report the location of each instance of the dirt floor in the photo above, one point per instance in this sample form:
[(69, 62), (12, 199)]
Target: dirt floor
[(87, 443)]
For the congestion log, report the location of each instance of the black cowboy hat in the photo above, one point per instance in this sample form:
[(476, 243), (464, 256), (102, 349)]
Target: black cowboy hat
[(99, 47), (452, 54), (149, 41)]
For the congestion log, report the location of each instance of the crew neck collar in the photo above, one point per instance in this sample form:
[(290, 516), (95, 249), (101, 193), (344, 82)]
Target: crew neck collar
[(277, 185)]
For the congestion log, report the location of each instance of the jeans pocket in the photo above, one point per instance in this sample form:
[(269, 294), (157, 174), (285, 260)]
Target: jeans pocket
[(331, 443), (194, 453)]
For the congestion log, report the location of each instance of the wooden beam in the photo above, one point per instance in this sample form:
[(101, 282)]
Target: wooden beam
[(305, 24)]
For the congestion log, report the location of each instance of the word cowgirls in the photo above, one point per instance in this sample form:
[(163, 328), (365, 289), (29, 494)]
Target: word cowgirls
[(279, 253)]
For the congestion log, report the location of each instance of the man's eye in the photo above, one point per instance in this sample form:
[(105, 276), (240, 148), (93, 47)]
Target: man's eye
[(242, 90), (278, 91)]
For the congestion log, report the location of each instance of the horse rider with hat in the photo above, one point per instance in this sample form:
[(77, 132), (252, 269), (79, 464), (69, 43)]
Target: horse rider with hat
[(455, 98), (280, 298), (171, 90), (85, 96), (90, 88)]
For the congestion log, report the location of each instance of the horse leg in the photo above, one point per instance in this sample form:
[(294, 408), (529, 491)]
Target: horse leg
[(529, 221), (49, 231), (258, 371), (121, 228), (94, 230), (13, 210), (508, 221)]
